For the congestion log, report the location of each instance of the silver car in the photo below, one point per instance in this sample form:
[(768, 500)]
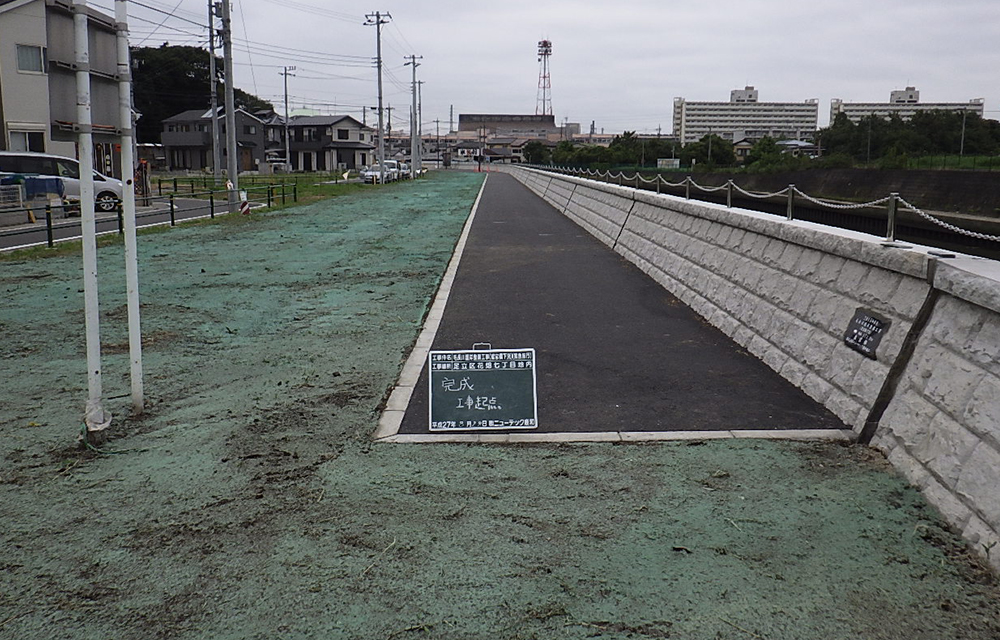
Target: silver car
[(107, 191)]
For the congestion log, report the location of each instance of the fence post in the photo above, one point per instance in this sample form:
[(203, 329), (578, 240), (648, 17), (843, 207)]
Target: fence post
[(175, 184), (659, 179), (687, 188), (48, 225), (173, 221), (270, 192), (121, 219), (729, 194), (636, 179), (282, 192), (295, 191), (159, 186), (791, 200), (211, 205), (890, 231)]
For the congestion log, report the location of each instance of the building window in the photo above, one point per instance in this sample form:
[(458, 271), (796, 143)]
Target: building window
[(31, 58), (343, 134), (250, 129), (27, 141), (308, 133)]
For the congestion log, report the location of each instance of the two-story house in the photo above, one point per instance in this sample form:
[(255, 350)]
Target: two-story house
[(38, 94), (329, 143), (187, 140)]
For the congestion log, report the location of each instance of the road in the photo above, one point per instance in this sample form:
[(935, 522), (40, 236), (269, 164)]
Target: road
[(33, 235)]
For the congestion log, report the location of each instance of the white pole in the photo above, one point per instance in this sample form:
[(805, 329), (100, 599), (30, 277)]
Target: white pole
[(128, 206), (95, 418)]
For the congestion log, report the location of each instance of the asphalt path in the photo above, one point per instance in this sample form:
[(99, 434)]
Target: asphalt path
[(615, 351), (29, 235)]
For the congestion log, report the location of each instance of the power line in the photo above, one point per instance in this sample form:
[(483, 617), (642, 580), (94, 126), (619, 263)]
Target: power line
[(253, 75), (172, 14), (169, 15), (319, 11)]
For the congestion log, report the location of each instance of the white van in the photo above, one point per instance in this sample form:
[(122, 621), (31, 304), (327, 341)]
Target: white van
[(107, 191)]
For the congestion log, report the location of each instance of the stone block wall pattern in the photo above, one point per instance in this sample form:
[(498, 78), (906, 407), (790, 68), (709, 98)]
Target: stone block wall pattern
[(787, 290)]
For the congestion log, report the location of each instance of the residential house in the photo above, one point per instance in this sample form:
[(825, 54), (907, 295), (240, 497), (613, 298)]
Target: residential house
[(38, 96), (329, 143), (187, 140), (274, 136)]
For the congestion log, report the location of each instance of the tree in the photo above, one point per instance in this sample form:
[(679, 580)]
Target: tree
[(710, 151), (765, 149), (564, 153), (537, 153), (167, 80)]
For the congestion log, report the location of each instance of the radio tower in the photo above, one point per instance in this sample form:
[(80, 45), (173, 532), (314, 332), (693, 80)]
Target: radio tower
[(544, 104)]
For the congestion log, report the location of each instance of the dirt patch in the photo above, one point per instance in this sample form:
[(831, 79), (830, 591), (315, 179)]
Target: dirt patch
[(250, 502)]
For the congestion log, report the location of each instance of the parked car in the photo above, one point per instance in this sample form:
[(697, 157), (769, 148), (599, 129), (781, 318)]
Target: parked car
[(107, 191), (393, 168), (374, 174), (404, 171)]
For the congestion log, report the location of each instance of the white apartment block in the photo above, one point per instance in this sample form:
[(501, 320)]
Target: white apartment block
[(743, 117), (903, 103)]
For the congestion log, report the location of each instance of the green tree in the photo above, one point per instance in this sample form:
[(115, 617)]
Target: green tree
[(765, 149), (564, 153), (711, 151), (167, 80), (537, 153)]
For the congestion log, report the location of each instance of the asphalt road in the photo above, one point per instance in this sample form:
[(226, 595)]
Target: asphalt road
[(615, 351), (29, 235)]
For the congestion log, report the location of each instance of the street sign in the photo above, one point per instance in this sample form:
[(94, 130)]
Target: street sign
[(482, 389)]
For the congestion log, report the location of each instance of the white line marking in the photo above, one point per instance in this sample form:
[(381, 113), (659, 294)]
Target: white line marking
[(392, 417)]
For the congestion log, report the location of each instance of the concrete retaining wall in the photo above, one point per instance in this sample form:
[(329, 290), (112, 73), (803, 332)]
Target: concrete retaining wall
[(787, 290)]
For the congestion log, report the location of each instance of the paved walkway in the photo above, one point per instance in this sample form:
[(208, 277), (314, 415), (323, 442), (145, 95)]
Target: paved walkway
[(618, 357)]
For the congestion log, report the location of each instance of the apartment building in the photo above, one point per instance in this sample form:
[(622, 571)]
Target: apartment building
[(902, 103), (745, 117), (38, 81)]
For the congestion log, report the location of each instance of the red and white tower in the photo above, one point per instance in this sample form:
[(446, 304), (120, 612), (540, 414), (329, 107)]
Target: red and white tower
[(544, 104)]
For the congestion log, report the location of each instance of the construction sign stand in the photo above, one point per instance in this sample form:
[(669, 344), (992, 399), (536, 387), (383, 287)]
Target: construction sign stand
[(244, 203)]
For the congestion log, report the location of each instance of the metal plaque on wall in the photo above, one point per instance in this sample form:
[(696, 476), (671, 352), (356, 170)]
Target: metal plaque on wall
[(865, 332)]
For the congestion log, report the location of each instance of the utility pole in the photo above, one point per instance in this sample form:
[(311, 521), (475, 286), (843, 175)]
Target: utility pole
[(288, 140), (213, 83), (376, 20), (961, 148), (451, 120), (232, 153), (414, 140), (420, 125), (95, 418), (437, 141), (128, 206)]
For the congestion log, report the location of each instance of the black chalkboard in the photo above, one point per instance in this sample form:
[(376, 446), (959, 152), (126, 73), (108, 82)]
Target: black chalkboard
[(482, 389), (865, 332)]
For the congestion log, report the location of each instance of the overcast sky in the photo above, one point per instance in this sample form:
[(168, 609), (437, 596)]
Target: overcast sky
[(619, 64)]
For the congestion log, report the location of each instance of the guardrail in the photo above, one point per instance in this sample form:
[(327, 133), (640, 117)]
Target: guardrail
[(892, 202), (215, 201)]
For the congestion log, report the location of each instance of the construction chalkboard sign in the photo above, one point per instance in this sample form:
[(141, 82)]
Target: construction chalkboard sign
[(482, 389)]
